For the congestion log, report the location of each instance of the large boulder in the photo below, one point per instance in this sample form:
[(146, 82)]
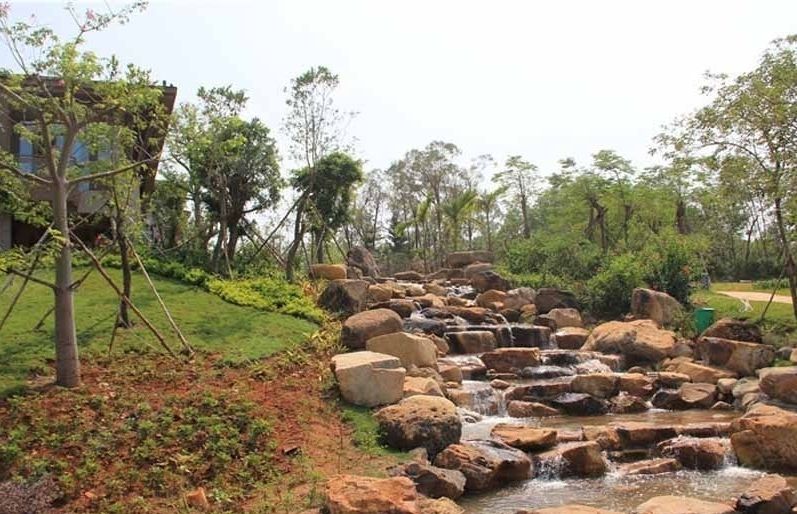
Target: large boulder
[(523, 437), (328, 271), (703, 453), (511, 360), (344, 297), (650, 467), (770, 494), (639, 434), (779, 383), (518, 298), (599, 385), (408, 276), (738, 356), (489, 280), (413, 350), (682, 505), (476, 397), (485, 464), (360, 327), (491, 299), (639, 341), (421, 386), (548, 299), (570, 338), (656, 305), (735, 330), (369, 379), (539, 390), (579, 459), (636, 384), (432, 481), (439, 506), (420, 421), (471, 341), (404, 307), (350, 494), (697, 395), (462, 259), (530, 336), (699, 372), (766, 438), (566, 317), (359, 257), (580, 404), (478, 267), (521, 409), (378, 293)]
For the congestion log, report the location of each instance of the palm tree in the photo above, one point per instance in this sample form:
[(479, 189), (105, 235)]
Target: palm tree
[(456, 210), (488, 201)]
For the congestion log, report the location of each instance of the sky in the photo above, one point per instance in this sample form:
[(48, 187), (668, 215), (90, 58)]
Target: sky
[(545, 80)]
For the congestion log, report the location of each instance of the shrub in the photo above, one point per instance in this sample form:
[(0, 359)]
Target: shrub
[(609, 292), (672, 263), (268, 294), (554, 255)]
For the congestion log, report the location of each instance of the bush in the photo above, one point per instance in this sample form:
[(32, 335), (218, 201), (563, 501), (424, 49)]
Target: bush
[(672, 263), (557, 256), (268, 294), (608, 293)]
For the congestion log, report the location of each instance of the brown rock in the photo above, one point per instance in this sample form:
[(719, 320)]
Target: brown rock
[(734, 329), (666, 379), (521, 409), (401, 306), (571, 338), (651, 467), (766, 438), (462, 259), (420, 421), (599, 385), (369, 379), (439, 506), (566, 317), (581, 459), (432, 481), (421, 386), (700, 396), (655, 305), (411, 349), (770, 494), (779, 383), (568, 509), (605, 436), (490, 299), (511, 360), (548, 299), (682, 505), (408, 276), (198, 499), (740, 357), (360, 327), (696, 452), (627, 404), (639, 341), (487, 280), (328, 271), (699, 372), (636, 384), (524, 438), (471, 341), (379, 293), (485, 464), (344, 297), (449, 372), (638, 434), (349, 494)]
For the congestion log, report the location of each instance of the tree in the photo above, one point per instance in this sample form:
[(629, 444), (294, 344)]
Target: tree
[(518, 178), (329, 192), (488, 204), (314, 126), (167, 210), (66, 94), (457, 210)]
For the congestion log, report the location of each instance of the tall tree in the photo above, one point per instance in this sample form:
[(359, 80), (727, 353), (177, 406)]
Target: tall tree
[(518, 177)]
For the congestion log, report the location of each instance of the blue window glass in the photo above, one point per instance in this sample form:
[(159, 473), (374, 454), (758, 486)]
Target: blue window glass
[(25, 155)]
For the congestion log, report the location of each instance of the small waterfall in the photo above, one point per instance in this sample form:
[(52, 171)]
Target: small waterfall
[(500, 398), (550, 469)]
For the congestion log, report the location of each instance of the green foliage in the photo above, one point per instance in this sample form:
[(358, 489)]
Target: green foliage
[(672, 264), (574, 258), (365, 430), (269, 294), (609, 292)]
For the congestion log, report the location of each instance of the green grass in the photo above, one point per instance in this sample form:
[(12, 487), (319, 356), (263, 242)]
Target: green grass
[(210, 324), (366, 430), (748, 286)]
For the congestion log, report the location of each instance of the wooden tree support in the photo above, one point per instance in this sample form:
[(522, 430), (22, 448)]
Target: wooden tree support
[(125, 299), (27, 277)]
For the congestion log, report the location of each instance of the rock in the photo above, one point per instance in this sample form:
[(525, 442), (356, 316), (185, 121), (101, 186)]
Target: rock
[(703, 453), (355, 274), (471, 367), (651, 467), (544, 320), (418, 323), (722, 406), (491, 299), (779, 383), (543, 372), (471, 341), (639, 341), (566, 317), (725, 385), (328, 271), (548, 299), (408, 276), (745, 386), (521, 409), (638, 434), (735, 330), (518, 298), (344, 297), (360, 327), (475, 315), (568, 509), (432, 481), (487, 280), (449, 372), (669, 379), (500, 384), (605, 436), (511, 360), (404, 307), (472, 269), (439, 506), (350, 494), (539, 389), (530, 336), (740, 357), (197, 499), (793, 357), (417, 290), (435, 289), (766, 438), (523, 437), (378, 293), (579, 404), (770, 494), (411, 349), (627, 404), (697, 396), (485, 464), (359, 257), (635, 384), (699, 372), (421, 385), (599, 385), (682, 505), (580, 459), (420, 421), (369, 379), (462, 259), (658, 306), (570, 338), (476, 397)]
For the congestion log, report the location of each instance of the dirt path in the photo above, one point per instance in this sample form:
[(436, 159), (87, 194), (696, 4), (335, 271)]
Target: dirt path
[(753, 296)]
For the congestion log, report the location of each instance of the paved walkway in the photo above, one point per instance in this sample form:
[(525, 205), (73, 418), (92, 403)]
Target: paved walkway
[(754, 296)]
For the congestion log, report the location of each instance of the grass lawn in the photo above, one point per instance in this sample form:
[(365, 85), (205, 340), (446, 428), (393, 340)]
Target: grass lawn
[(749, 286), (209, 323)]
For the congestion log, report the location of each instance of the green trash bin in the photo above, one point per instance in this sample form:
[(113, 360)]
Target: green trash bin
[(704, 317)]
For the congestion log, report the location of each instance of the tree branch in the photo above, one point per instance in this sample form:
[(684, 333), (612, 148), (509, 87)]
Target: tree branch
[(31, 278), (106, 174), (21, 174)]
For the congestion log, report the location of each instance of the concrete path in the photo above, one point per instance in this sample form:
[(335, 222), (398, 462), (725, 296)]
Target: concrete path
[(754, 296)]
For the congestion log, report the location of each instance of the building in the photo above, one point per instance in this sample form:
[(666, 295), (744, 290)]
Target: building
[(84, 199)]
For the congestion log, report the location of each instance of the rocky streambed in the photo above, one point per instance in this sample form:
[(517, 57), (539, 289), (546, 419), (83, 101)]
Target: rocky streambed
[(509, 403)]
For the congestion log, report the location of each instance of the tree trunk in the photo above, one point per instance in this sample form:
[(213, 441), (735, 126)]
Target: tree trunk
[(790, 265), (489, 231), (67, 364), (319, 247), (127, 276), (524, 208), (680, 217), (297, 241)]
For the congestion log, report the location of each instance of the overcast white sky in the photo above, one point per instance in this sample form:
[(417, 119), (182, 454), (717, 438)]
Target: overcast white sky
[(541, 79)]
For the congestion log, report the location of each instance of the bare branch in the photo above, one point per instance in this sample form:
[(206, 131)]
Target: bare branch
[(111, 173)]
